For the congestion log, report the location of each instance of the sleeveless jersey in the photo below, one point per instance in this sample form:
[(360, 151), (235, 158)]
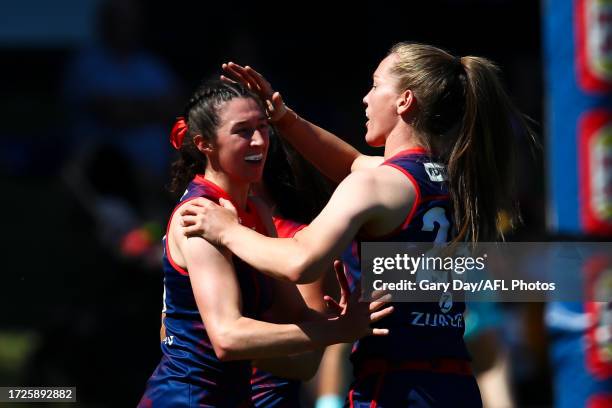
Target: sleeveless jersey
[(190, 374), (418, 331)]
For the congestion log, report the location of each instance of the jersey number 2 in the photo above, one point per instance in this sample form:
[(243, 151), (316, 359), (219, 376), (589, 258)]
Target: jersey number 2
[(433, 216)]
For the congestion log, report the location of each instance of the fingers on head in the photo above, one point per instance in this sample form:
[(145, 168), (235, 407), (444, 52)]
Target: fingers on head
[(226, 79)]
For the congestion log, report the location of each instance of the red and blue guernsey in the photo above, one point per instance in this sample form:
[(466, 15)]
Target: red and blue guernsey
[(190, 374), (269, 390), (411, 366)]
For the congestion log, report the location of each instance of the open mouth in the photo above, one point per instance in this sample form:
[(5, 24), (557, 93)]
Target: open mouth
[(254, 158)]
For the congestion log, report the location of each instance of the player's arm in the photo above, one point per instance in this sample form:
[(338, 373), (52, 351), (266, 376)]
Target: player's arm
[(300, 259), (306, 303), (293, 303), (289, 306), (235, 337), (304, 366), (331, 155), (357, 202), (327, 152)]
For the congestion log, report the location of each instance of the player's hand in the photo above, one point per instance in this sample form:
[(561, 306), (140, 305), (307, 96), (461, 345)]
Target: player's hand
[(255, 82), (202, 217), (334, 307), (355, 315)]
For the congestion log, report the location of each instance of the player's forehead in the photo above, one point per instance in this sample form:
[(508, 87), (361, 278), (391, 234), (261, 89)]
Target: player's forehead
[(241, 110), (384, 68)]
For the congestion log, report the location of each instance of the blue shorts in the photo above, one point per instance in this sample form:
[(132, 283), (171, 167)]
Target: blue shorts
[(414, 389), (168, 388)]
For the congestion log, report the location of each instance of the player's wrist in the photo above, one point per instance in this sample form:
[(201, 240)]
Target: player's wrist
[(285, 119), (228, 234)]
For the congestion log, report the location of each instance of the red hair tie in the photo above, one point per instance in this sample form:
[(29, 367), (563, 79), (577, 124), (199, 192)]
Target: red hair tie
[(178, 132)]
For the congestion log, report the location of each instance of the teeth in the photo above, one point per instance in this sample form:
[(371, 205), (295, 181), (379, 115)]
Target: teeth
[(254, 157)]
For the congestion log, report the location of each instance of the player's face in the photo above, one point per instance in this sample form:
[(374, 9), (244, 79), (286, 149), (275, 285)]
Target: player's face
[(242, 140), (380, 102)]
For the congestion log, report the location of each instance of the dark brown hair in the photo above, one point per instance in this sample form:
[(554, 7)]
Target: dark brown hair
[(202, 117)]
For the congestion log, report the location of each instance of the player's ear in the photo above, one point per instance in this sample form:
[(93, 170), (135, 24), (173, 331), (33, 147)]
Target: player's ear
[(202, 144), (405, 102)]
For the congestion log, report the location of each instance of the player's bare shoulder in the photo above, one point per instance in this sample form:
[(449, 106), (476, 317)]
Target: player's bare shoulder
[(394, 195), (358, 186), (394, 186)]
